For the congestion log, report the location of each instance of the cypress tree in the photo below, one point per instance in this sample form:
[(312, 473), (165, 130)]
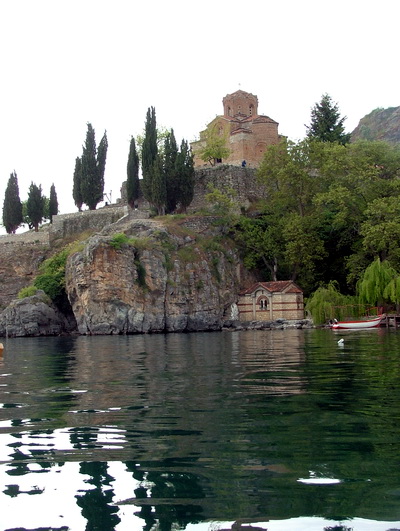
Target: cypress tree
[(12, 206), (93, 163), (101, 166), (149, 153), (53, 203), (170, 154), (159, 188), (185, 175), (132, 184), (326, 123), (35, 205), (76, 191)]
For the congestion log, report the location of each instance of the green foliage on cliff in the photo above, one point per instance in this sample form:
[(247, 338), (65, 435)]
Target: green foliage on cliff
[(27, 292), (51, 278), (118, 240)]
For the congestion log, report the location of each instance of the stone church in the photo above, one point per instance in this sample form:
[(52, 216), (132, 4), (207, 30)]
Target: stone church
[(248, 133)]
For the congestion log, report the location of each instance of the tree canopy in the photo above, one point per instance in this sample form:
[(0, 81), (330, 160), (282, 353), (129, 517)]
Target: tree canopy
[(132, 183), (215, 144), (92, 167), (12, 206), (35, 205), (53, 203), (326, 123), (331, 211)]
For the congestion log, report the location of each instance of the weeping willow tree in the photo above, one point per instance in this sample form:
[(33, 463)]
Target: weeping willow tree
[(379, 284), (328, 303)]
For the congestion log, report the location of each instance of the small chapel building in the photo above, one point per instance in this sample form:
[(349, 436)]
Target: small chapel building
[(248, 134), (268, 301)]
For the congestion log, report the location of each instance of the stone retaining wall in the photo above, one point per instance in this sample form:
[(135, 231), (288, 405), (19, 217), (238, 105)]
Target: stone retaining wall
[(242, 180), (69, 224), (41, 237)]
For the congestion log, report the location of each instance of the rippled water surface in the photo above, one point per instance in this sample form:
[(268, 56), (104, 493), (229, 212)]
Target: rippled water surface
[(278, 430)]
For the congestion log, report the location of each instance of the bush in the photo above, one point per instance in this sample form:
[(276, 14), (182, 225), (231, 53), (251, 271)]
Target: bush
[(27, 292), (118, 240)]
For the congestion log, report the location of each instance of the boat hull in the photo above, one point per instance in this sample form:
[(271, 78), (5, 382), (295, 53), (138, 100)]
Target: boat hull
[(353, 325)]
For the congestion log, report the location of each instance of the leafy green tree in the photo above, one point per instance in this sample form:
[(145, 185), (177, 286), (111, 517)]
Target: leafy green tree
[(12, 206), (92, 169), (53, 203), (149, 153), (381, 229), (184, 170), (326, 123), (260, 241), (373, 286), (35, 205), (328, 303), (132, 183), (76, 192), (288, 172), (215, 145)]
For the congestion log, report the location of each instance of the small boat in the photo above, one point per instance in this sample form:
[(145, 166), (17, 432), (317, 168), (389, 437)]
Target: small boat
[(367, 323)]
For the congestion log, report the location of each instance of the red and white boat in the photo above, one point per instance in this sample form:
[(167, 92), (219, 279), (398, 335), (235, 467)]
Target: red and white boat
[(367, 323)]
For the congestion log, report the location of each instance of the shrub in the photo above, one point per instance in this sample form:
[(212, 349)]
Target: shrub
[(118, 240), (27, 292)]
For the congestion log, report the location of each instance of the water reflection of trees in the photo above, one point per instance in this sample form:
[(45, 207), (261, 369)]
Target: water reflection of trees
[(96, 503), (223, 426)]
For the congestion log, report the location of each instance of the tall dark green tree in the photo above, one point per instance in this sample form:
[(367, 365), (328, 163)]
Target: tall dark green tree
[(149, 153), (326, 123), (12, 206), (184, 170), (132, 183), (53, 203), (170, 155), (101, 165), (35, 205), (93, 165), (76, 191), (159, 186)]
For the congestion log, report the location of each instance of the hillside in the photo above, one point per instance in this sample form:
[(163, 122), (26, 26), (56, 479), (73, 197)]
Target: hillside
[(380, 124)]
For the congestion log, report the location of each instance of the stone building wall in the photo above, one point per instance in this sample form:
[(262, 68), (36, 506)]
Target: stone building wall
[(280, 306)]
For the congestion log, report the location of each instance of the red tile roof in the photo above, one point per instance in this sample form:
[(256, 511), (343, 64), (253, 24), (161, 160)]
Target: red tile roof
[(273, 287)]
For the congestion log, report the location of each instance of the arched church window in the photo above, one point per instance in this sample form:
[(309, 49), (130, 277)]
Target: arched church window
[(263, 304)]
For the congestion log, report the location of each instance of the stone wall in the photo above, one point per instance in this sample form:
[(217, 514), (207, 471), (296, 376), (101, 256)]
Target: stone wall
[(41, 237), (242, 180), (89, 220)]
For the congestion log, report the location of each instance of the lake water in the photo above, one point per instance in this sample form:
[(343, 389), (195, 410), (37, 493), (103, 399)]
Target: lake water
[(282, 430)]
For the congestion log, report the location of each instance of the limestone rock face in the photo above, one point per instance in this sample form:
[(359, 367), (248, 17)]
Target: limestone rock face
[(33, 316), (153, 280)]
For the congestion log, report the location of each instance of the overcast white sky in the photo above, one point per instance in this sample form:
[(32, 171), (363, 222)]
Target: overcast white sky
[(66, 63)]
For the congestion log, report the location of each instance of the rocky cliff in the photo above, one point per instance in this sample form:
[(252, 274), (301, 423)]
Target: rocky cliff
[(19, 263), (380, 124), (154, 278)]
